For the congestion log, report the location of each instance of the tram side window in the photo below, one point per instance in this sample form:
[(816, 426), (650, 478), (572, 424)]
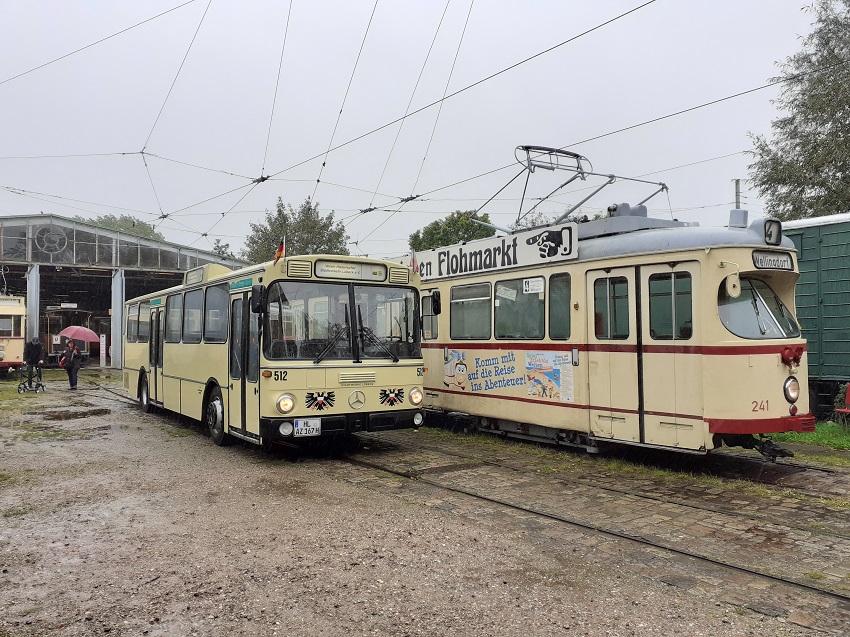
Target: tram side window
[(173, 318), (470, 311), (559, 306), (144, 322), (215, 314), (520, 308), (10, 326), (133, 323), (430, 322), (611, 308), (192, 312), (670, 306)]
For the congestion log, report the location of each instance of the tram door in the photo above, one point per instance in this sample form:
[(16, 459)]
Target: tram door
[(244, 354), (155, 354), (612, 354), (672, 371)]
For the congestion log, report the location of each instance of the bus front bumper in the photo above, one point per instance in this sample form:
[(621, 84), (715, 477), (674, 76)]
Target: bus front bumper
[(270, 428)]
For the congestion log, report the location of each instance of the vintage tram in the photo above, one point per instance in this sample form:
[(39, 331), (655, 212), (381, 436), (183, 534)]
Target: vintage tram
[(13, 325), (623, 329)]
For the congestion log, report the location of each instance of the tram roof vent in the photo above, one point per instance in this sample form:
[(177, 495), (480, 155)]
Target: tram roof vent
[(625, 210), (738, 218)]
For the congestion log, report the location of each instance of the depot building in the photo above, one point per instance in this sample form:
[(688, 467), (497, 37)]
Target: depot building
[(77, 273)]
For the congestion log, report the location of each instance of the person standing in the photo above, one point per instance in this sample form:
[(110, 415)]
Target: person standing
[(34, 358), (71, 362)]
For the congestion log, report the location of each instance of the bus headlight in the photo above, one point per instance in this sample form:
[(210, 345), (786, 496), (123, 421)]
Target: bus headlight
[(416, 396), (285, 428), (791, 389), (286, 403)]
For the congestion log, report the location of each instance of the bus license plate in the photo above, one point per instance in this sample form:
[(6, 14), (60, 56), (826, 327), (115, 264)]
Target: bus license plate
[(308, 427)]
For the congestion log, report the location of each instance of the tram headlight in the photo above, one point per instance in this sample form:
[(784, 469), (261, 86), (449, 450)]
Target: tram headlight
[(791, 389), (416, 396), (286, 403)]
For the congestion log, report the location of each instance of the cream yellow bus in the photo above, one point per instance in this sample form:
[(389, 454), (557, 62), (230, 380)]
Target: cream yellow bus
[(306, 348)]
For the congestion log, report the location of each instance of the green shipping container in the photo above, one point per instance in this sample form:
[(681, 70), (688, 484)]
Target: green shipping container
[(823, 302)]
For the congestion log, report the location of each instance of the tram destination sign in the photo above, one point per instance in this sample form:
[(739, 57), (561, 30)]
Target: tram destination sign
[(523, 249), (765, 260)]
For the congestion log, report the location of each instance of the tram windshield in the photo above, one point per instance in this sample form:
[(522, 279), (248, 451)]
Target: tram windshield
[(312, 320), (757, 313)]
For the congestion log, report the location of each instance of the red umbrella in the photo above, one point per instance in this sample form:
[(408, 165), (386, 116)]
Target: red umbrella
[(79, 333)]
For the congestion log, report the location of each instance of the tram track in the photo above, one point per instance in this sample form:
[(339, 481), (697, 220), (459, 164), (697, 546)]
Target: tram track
[(609, 532), (587, 522), (750, 515)]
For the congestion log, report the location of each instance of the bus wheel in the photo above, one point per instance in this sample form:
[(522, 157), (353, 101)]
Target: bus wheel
[(145, 396), (214, 418)]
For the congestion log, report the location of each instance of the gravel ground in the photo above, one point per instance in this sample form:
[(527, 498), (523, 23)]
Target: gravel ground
[(126, 524)]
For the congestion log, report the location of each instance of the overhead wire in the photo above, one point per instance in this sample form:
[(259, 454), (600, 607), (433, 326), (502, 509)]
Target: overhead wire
[(410, 101), (171, 88), (276, 88), (342, 107), (88, 46)]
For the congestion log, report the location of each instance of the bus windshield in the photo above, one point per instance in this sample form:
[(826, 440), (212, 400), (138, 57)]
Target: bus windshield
[(757, 313), (312, 320)]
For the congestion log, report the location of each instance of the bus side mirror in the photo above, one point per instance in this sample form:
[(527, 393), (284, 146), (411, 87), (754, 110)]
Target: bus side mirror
[(258, 299), (436, 306)]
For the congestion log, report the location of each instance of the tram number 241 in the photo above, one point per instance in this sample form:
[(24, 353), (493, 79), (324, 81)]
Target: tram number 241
[(761, 405)]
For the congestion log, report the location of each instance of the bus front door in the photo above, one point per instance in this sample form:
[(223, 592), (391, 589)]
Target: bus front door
[(612, 355), (244, 354)]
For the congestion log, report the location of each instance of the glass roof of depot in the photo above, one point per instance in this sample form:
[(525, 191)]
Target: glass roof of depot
[(54, 240)]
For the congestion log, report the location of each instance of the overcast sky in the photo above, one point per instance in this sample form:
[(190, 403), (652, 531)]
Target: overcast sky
[(219, 93)]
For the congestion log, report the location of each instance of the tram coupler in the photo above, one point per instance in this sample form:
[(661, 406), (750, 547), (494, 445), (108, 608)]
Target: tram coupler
[(765, 446)]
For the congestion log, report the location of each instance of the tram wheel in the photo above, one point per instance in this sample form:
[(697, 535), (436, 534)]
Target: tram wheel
[(145, 396), (214, 418)]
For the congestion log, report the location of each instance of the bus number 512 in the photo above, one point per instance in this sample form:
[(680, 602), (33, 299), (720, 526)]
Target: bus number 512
[(280, 375)]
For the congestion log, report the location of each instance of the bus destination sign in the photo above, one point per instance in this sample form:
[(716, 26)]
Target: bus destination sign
[(532, 247)]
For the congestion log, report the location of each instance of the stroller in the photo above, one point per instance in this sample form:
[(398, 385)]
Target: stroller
[(24, 385)]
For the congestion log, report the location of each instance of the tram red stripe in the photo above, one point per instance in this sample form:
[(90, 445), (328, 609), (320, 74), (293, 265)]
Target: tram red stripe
[(762, 425)]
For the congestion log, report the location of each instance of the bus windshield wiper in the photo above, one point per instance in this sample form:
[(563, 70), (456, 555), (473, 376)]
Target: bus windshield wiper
[(373, 338), (339, 332)]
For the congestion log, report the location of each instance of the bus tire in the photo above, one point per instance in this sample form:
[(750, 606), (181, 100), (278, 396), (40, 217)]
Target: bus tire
[(145, 395), (214, 417)]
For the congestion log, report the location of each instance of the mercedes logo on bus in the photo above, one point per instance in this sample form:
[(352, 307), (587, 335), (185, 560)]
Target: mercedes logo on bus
[(357, 399)]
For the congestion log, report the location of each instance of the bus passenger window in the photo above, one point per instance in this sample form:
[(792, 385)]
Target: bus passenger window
[(670, 306), (194, 306), (215, 314), (173, 318), (144, 321), (559, 306), (470, 311), (133, 323), (520, 308)]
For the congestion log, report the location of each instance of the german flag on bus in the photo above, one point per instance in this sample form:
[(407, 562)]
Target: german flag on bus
[(281, 251)]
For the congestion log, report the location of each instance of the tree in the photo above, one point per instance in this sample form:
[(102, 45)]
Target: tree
[(305, 230), (222, 249), (125, 223), (455, 228), (804, 171), (533, 220)]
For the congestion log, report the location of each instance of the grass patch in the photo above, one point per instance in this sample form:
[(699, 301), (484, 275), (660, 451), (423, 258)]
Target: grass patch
[(14, 512), (826, 434), (814, 575)]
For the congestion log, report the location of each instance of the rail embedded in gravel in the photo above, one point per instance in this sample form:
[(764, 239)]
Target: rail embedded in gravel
[(780, 538)]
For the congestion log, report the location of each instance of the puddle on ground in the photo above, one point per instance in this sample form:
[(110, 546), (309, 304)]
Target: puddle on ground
[(73, 415)]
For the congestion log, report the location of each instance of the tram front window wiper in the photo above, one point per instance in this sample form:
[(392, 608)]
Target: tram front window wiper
[(762, 328), (372, 337), (339, 332)]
